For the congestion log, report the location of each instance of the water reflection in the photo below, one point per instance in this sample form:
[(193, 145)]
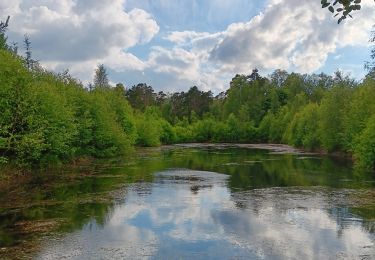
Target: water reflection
[(171, 221), (202, 203)]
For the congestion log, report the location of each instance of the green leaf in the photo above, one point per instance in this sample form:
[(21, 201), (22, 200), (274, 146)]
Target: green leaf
[(331, 9)]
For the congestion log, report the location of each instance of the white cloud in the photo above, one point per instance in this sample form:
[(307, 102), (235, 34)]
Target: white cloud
[(176, 60), (120, 61), (293, 35), (164, 219), (188, 66), (80, 34), (185, 36), (289, 34)]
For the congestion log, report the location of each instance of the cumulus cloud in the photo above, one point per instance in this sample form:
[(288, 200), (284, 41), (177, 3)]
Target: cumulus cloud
[(294, 35), (188, 66), (65, 32), (288, 34), (176, 60), (291, 33)]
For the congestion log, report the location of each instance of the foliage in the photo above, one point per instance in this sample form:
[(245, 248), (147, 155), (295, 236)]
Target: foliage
[(152, 129), (344, 8), (112, 134), (141, 96), (364, 148), (360, 108), (331, 114), (28, 59), (48, 117), (302, 130), (101, 77), (3, 38), (247, 97)]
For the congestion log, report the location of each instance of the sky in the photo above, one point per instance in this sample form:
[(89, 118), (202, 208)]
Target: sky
[(175, 44)]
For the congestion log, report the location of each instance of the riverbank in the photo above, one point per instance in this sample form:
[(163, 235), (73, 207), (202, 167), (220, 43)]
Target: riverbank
[(13, 176), (275, 148)]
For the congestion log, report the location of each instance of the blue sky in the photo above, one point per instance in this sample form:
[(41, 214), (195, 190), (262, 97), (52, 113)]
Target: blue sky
[(175, 44), (202, 15), (185, 15)]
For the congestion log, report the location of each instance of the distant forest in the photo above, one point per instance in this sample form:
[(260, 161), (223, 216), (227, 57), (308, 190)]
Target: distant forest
[(49, 117)]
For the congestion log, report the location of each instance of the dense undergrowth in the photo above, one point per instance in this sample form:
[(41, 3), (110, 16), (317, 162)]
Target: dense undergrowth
[(50, 118)]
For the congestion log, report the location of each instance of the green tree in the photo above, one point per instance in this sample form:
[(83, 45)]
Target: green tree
[(141, 96), (198, 102), (364, 149), (101, 77), (248, 97), (28, 58), (149, 128), (331, 114), (302, 130), (361, 107), (109, 125), (15, 95), (232, 130)]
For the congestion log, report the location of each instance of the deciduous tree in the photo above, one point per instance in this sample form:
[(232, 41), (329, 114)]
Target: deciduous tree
[(101, 77)]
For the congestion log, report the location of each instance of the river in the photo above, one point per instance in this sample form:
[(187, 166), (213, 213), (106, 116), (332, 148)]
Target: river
[(193, 202)]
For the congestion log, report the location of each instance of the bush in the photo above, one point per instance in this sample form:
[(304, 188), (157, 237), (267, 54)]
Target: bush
[(149, 127), (50, 118), (364, 150), (360, 109), (331, 114), (109, 137), (302, 130), (204, 130)]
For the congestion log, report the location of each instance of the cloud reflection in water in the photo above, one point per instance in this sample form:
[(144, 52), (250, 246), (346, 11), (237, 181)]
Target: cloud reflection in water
[(172, 220)]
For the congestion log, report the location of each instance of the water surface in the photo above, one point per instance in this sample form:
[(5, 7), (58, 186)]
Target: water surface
[(201, 202)]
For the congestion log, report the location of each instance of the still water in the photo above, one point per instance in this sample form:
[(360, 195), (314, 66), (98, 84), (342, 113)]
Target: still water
[(193, 202)]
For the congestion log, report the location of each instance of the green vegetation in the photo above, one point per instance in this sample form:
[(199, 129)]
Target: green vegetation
[(51, 118), (342, 8)]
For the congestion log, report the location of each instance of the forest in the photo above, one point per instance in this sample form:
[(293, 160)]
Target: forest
[(49, 117)]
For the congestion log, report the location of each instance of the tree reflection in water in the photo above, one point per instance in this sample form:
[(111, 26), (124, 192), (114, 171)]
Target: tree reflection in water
[(230, 203)]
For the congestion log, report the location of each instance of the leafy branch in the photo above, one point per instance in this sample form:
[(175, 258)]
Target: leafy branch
[(342, 8)]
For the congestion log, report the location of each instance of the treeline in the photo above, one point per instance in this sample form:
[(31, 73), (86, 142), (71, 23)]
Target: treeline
[(316, 112), (49, 117)]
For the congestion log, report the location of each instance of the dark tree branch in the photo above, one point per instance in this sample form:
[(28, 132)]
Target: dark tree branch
[(342, 8)]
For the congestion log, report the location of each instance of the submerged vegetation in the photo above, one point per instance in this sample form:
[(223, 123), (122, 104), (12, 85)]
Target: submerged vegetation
[(48, 118)]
